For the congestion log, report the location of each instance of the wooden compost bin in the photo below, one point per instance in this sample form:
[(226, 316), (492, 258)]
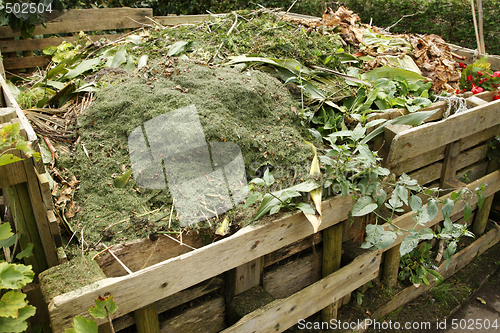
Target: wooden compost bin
[(436, 152)]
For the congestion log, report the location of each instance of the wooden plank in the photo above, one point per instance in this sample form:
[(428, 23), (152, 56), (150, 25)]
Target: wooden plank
[(146, 319), (40, 212), (40, 44), (245, 245), (90, 20), (419, 161), (284, 313), (459, 261), (474, 101), (45, 190), (208, 317), (430, 136), (293, 276), (7, 114), (450, 162), (182, 19), (13, 173), (26, 62), (26, 226), (475, 171), (174, 300), (54, 228), (482, 214), (287, 251), (248, 275), (332, 255), (142, 253)]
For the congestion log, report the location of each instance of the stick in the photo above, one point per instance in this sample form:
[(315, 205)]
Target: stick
[(175, 240), (120, 262), (480, 22), (106, 248), (473, 6), (234, 24)]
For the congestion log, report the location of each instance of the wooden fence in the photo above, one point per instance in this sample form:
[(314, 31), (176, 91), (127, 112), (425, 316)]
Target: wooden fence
[(438, 152)]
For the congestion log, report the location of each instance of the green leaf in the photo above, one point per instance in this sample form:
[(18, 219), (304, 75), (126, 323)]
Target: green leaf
[(425, 233), (268, 178), (119, 58), (19, 324), (432, 209), (415, 203), (467, 211), (8, 158), (82, 67), (121, 181), (480, 199), (82, 325), (135, 39), (27, 252), (306, 208), (412, 119), (5, 231), (436, 275), (101, 304), (363, 206), (390, 73), (253, 198), (143, 61), (15, 276), (177, 48), (409, 243), (11, 302), (447, 207), (130, 66)]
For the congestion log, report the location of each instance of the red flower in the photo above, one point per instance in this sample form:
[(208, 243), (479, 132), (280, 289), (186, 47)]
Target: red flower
[(462, 65), (476, 90), (479, 73), (457, 91), (497, 74), (469, 78), (496, 97)]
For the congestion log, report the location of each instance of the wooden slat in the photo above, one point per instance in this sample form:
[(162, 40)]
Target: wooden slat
[(163, 279), (173, 301), (54, 228), (26, 62), (450, 162), (248, 275), (291, 249), (181, 19), (281, 314), (40, 44), (7, 114), (13, 173), (430, 136), (293, 276), (90, 20), (46, 192)]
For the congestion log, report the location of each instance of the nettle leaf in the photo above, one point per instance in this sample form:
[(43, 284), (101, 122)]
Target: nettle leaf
[(15, 276), (19, 324), (363, 206), (432, 209), (101, 304), (415, 203), (82, 325), (11, 302), (8, 158)]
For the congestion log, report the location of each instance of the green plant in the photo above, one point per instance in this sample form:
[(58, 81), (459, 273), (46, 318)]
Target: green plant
[(417, 265), (11, 140), (104, 308), (14, 309), (478, 77)]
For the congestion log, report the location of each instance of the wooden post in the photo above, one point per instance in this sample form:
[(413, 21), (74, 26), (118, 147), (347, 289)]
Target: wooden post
[(146, 319), (332, 254), (244, 278), (479, 224), (450, 163), (391, 267)]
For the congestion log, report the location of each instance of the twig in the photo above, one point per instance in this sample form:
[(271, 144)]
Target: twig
[(171, 212), (155, 22), (120, 262), (98, 254), (234, 24), (127, 219), (149, 25), (109, 320), (293, 4), (403, 17), (473, 7), (180, 242)]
